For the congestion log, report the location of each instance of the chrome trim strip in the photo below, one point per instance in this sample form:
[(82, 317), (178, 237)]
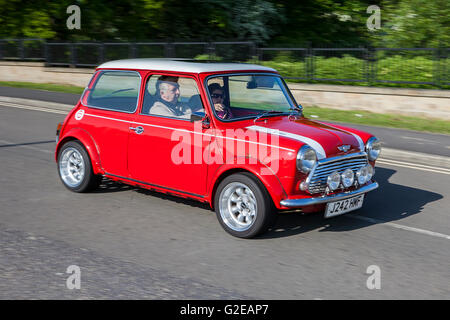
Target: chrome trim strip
[(293, 203), (344, 157)]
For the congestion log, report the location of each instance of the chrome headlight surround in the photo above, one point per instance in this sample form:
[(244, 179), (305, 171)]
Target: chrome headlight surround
[(373, 148), (306, 159)]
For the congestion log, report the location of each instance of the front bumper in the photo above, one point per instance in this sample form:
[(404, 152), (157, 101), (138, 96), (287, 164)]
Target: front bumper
[(295, 203)]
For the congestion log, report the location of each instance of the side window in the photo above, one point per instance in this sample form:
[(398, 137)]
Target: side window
[(171, 96), (115, 90)]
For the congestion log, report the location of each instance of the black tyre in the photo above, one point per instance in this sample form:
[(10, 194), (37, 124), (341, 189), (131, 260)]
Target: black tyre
[(75, 168), (243, 206)]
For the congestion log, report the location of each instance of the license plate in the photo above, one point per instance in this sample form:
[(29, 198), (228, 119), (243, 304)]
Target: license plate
[(343, 206)]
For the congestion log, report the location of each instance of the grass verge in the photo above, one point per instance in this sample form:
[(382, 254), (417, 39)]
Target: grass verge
[(380, 120), (43, 86)]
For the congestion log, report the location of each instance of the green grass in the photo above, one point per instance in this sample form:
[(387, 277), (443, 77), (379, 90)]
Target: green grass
[(43, 86), (376, 119)]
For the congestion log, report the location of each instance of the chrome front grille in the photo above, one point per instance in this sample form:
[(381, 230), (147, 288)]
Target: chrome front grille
[(318, 179)]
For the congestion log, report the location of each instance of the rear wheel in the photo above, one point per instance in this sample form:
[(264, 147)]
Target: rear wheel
[(75, 168), (243, 206)]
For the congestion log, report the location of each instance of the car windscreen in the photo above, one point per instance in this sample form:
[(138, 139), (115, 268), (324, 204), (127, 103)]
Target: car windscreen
[(249, 95)]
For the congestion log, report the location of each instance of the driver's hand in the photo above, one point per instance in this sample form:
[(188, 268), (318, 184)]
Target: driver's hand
[(219, 107)]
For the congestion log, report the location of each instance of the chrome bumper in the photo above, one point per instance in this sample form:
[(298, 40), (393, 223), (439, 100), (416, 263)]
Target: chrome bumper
[(293, 203)]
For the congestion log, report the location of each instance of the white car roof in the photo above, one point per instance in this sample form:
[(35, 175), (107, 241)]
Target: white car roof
[(180, 65)]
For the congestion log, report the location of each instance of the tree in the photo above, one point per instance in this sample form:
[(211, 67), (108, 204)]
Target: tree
[(415, 23)]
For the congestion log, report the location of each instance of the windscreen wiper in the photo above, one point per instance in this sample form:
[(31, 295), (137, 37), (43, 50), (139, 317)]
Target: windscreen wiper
[(299, 109), (265, 113)]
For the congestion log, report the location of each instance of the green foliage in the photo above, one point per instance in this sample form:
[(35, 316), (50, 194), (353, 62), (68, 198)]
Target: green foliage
[(404, 23), (414, 23)]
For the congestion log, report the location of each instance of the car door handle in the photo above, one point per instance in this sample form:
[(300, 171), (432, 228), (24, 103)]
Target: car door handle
[(138, 129)]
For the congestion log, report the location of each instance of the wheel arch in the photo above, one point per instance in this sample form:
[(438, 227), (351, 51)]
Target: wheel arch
[(271, 183), (78, 134)]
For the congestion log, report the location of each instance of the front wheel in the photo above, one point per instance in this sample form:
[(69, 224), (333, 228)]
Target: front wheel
[(243, 206), (75, 168)]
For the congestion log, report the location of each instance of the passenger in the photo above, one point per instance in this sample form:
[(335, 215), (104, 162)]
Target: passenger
[(218, 97), (167, 93)]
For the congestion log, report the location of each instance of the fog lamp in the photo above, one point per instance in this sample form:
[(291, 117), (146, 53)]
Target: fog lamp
[(334, 180), (348, 177)]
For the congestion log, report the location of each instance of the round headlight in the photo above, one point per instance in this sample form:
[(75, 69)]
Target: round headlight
[(306, 159), (362, 175), (373, 148), (334, 180), (348, 177)]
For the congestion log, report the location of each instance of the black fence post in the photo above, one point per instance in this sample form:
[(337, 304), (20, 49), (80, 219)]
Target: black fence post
[(311, 61), (46, 54), (253, 51), (260, 55), (73, 56), (211, 51), (1, 50), (135, 50), (21, 50), (374, 67), (101, 53), (437, 75), (167, 50), (369, 66), (132, 50)]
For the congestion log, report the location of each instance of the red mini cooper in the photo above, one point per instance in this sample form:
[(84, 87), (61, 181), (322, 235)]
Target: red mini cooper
[(228, 134)]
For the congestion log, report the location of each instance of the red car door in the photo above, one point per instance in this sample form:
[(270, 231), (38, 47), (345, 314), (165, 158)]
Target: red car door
[(111, 102), (167, 150)]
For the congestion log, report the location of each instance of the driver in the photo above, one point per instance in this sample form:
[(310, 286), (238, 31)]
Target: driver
[(168, 92), (218, 97)]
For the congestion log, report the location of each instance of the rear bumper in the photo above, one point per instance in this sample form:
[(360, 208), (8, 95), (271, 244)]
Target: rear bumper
[(295, 203)]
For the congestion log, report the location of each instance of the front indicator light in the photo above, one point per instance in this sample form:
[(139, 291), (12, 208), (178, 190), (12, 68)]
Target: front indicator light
[(58, 131), (370, 172)]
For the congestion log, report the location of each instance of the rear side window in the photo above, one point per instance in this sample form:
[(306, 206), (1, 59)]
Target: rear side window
[(115, 90)]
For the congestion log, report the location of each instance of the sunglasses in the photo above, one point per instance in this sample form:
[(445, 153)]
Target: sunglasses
[(216, 95)]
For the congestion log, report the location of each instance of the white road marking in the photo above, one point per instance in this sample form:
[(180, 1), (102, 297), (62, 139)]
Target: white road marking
[(413, 166), (399, 226), (21, 106), (418, 139)]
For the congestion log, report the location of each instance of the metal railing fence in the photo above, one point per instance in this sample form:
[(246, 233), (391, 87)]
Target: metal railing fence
[(428, 66)]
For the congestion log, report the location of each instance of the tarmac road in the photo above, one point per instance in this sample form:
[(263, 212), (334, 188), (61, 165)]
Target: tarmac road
[(133, 243)]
